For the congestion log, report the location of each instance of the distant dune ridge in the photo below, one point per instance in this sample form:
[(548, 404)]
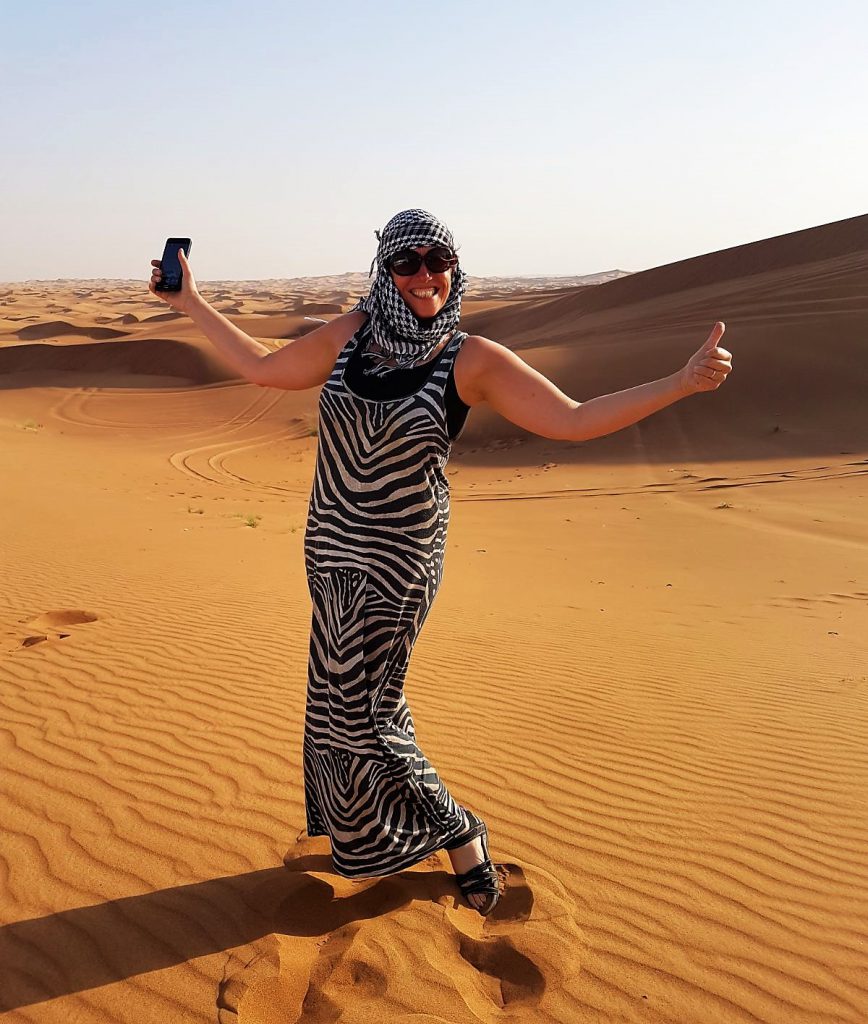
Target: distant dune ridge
[(646, 669)]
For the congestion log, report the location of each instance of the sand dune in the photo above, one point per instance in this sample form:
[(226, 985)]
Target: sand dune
[(163, 318), (59, 328), (156, 357), (645, 669)]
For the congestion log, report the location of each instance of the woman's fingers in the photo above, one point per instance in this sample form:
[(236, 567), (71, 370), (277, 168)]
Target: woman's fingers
[(156, 277)]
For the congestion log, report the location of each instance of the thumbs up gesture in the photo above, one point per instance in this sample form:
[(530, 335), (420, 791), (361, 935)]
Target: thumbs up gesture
[(708, 367)]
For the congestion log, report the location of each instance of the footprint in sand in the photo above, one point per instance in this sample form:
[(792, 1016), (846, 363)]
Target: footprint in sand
[(48, 626), (348, 948), (243, 973)]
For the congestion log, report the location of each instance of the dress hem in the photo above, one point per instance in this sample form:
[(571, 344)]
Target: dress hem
[(400, 865)]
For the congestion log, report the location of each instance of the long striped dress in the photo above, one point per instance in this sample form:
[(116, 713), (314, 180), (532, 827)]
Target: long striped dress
[(374, 547)]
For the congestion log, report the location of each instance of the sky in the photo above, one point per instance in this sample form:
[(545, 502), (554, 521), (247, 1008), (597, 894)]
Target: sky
[(555, 137)]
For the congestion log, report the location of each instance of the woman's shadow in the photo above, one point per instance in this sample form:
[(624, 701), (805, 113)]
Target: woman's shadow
[(86, 947)]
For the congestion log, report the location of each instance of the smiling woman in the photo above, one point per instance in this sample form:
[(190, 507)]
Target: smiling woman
[(391, 370), (374, 548)]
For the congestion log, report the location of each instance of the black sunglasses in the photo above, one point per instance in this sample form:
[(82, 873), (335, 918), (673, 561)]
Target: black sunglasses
[(407, 262)]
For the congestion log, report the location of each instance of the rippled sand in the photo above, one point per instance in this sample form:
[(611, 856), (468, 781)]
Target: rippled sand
[(646, 668)]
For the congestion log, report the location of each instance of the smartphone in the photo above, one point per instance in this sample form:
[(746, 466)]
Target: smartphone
[(171, 265)]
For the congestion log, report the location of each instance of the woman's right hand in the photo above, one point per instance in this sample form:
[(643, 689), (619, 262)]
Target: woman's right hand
[(183, 300)]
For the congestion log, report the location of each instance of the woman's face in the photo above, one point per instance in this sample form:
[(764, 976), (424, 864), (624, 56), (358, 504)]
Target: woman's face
[(425, 293)]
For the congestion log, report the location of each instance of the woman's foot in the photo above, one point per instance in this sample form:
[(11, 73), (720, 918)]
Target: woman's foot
[(465, 858)]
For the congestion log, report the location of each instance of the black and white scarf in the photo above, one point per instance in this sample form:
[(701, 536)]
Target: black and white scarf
[(392, 330)]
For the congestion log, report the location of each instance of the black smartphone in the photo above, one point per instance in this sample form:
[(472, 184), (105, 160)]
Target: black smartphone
[(171, 265)]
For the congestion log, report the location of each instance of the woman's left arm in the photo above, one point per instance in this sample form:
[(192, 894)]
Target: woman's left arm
[(528, 399)]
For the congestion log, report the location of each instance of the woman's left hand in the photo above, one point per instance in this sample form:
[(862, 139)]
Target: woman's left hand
[(709, 367)]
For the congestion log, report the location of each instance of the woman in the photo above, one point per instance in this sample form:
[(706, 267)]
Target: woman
[(398, 378)]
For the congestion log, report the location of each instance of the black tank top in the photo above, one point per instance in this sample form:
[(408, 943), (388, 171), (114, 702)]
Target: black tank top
[(400, 383)]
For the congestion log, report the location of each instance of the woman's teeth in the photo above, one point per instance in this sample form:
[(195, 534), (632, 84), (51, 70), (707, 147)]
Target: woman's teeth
[(423, 293)]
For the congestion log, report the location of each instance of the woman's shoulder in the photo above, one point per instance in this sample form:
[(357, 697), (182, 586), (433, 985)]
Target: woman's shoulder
[(352, 321), (344, 327), (470, 367)]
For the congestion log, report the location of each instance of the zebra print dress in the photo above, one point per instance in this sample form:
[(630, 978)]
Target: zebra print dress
[(374, 547)]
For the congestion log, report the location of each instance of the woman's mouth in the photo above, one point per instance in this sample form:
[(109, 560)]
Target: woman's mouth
[(423, 293)]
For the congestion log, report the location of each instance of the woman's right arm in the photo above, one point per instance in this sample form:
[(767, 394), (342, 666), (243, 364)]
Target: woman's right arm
[(243, 353), (302, 363), (307, 362)]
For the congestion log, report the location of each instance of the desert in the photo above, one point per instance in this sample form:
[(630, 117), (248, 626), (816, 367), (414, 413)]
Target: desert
[(646, 666)]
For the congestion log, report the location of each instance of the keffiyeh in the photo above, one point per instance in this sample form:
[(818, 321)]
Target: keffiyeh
[(392, 327)]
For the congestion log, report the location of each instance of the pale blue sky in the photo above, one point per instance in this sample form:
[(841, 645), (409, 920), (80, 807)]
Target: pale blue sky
[(552, 137)]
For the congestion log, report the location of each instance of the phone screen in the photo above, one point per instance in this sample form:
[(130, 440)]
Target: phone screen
[(171, 265)]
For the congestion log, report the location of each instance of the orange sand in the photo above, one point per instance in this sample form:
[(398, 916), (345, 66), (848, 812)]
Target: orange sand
[(646, 668)]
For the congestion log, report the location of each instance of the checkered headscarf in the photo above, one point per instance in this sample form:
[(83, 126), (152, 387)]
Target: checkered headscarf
[(395, 329)]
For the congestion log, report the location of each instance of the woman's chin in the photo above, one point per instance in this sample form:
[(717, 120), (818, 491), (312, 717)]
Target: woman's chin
[(425, 310)]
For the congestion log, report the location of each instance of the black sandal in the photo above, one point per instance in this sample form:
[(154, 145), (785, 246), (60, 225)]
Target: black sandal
[(482, 878)]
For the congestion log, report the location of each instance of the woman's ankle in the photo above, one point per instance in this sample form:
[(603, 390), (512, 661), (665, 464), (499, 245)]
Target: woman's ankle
[(465, 857)]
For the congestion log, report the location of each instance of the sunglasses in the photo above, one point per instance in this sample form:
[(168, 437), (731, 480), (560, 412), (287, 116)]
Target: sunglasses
[(407, 262)]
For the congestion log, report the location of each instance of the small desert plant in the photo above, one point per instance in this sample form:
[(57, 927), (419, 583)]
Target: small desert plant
[(249, 520)]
